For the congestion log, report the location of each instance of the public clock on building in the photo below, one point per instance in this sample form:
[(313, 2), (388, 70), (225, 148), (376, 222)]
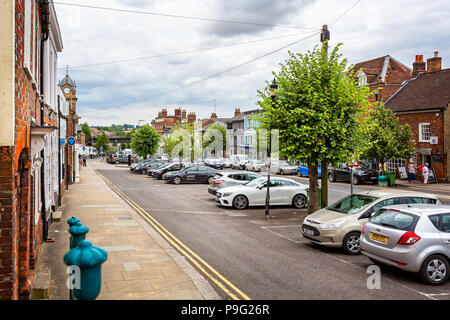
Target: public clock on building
[(67, 90)]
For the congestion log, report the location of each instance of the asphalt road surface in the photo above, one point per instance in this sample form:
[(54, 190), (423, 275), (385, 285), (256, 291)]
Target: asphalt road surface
[(265, 259)]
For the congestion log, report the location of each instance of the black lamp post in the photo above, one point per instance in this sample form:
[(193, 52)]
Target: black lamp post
[(273, 92)]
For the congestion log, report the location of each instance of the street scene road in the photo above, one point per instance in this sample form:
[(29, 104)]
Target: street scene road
[(266, 259)]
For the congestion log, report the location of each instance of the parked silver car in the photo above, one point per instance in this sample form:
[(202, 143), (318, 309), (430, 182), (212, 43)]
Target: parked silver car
[(414, 238), (228, 179)]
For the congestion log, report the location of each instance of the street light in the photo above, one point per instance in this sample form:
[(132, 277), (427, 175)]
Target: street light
[(273, 93)]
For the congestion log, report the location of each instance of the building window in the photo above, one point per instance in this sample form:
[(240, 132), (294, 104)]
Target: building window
[(362, 78), (424, 132), (395, 163)]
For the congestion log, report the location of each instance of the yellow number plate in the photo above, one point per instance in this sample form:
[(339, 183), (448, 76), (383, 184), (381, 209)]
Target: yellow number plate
[(378, 237)]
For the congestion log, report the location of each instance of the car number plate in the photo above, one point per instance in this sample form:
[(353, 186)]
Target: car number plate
[(378, 237)]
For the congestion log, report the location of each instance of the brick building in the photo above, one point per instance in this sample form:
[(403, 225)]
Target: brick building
[(383, 75), (164, 122), (422, 103), (30, 40), (69, 89)]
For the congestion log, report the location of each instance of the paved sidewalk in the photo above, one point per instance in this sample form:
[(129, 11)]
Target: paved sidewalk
[(140, 265), (418, 184)]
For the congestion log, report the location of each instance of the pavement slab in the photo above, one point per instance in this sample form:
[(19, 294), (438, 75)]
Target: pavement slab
[(140, 264)]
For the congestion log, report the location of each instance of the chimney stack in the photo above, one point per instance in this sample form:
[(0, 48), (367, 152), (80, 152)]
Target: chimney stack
[(183, 114), (213, 116), (418, 66), (237, 111), (191, 117), (164, 113), (435, 63)]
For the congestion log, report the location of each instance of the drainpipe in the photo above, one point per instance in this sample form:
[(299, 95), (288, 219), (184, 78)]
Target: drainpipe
[(59, 152), (42, 87)]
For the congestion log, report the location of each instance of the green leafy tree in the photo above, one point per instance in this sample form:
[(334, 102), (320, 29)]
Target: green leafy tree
[(384, 138), (86, 130), (175, 139), (103, 141), (318, 111), (210, 136), (145, 141)]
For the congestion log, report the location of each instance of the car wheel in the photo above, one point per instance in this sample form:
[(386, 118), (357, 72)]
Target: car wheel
[(356, 180), (434, 270), (300, 201), (282, 172), (351, 243), (240, 202), (331, 177), (176, 180), (117, 161)]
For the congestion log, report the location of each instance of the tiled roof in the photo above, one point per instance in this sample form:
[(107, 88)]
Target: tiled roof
[(385, 69), (430, 90)]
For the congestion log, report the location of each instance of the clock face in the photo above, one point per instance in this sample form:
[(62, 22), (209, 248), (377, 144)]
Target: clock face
[(67, 90)]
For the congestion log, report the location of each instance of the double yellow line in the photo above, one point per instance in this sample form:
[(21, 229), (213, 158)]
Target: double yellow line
[(230, 289)]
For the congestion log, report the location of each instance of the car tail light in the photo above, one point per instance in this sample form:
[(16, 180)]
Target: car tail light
[(218, 181), (362, 231), (408, 238)]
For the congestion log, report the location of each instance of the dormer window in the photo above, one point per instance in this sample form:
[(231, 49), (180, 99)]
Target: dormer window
[(362, 78)]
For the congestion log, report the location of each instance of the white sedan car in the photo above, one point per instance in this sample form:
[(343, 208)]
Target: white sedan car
[(254, 165), (283, 191)]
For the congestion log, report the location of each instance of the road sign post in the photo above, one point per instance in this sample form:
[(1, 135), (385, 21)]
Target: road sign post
[(353, 163)]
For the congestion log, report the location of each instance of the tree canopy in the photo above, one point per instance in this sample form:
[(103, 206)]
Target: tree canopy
[(384, 138), (212, 133), (318, 111), (145, 141), (102, 141)]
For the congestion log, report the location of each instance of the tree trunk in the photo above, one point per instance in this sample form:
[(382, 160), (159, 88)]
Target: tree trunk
[(313, 189)]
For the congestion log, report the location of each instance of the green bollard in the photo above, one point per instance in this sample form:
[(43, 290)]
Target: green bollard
[(87, 260), (78, 233), (73, 221)]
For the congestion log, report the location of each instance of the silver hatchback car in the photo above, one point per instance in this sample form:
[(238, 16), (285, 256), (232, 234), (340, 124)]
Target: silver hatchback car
[(414, 238)]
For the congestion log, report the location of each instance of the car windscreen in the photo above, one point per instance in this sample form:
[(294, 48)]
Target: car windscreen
[(352, 204), (255, 183), (394, 219)]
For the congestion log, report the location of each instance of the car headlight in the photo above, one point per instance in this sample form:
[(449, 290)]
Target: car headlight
[(227, 194), (332, 225)]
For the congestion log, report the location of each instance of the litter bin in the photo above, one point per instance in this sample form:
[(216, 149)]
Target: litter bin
[(391, 178), (320, 196), (382, 181)]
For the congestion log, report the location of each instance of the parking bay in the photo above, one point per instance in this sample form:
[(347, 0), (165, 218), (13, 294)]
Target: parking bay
[(264, 259)]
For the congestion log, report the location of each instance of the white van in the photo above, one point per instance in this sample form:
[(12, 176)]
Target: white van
[(238, 161)]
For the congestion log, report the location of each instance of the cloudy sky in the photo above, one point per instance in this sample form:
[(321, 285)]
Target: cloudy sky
[(129, 91)]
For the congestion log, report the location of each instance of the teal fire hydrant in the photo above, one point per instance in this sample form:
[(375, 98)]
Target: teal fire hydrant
[(86, 262), (78, 234)]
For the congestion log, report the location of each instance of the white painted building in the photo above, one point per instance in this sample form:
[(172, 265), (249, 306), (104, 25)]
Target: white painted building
[(51, 92)]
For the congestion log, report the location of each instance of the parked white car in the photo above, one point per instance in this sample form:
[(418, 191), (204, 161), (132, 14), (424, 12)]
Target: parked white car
[(283, 191), (254, 165)]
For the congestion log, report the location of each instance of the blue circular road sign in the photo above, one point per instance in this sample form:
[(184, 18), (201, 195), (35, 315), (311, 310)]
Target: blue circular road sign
[(71, 141)]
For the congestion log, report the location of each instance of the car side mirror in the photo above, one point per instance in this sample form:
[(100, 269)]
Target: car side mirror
[(260, 187)]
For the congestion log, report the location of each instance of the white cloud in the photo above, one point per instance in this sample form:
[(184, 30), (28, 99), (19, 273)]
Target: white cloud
[(128, 92)]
